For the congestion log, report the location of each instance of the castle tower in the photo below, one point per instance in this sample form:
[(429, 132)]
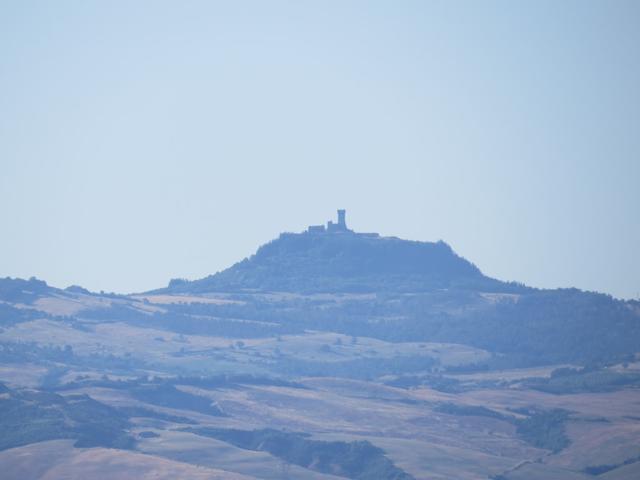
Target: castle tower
[(342, 224)]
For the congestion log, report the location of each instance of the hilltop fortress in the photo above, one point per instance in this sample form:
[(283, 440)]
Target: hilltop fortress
[(339, 227), (334, 258)]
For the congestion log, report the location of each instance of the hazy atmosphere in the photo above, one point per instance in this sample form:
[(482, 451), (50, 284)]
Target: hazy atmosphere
[(142, 141), (328, 240)]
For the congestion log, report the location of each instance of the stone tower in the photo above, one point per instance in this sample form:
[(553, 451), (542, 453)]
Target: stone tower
[(342, 224)]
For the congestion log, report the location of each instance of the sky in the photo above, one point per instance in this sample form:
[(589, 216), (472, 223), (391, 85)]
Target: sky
[(149, 140)]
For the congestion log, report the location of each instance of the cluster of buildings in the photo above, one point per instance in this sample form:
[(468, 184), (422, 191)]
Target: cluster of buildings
[(331, 227), (339, 227)]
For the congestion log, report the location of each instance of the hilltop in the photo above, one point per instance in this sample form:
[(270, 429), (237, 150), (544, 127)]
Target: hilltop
[(337, 259)]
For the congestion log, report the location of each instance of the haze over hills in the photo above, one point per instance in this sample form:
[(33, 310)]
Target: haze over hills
[(438, 295), (327, 354), (144, 141), (393, 290)]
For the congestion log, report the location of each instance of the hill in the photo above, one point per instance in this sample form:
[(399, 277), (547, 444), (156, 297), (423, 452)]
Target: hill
[(345, 262), (421, 291)]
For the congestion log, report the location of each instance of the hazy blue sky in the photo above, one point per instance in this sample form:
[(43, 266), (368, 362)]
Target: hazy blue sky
[(141, 141)]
